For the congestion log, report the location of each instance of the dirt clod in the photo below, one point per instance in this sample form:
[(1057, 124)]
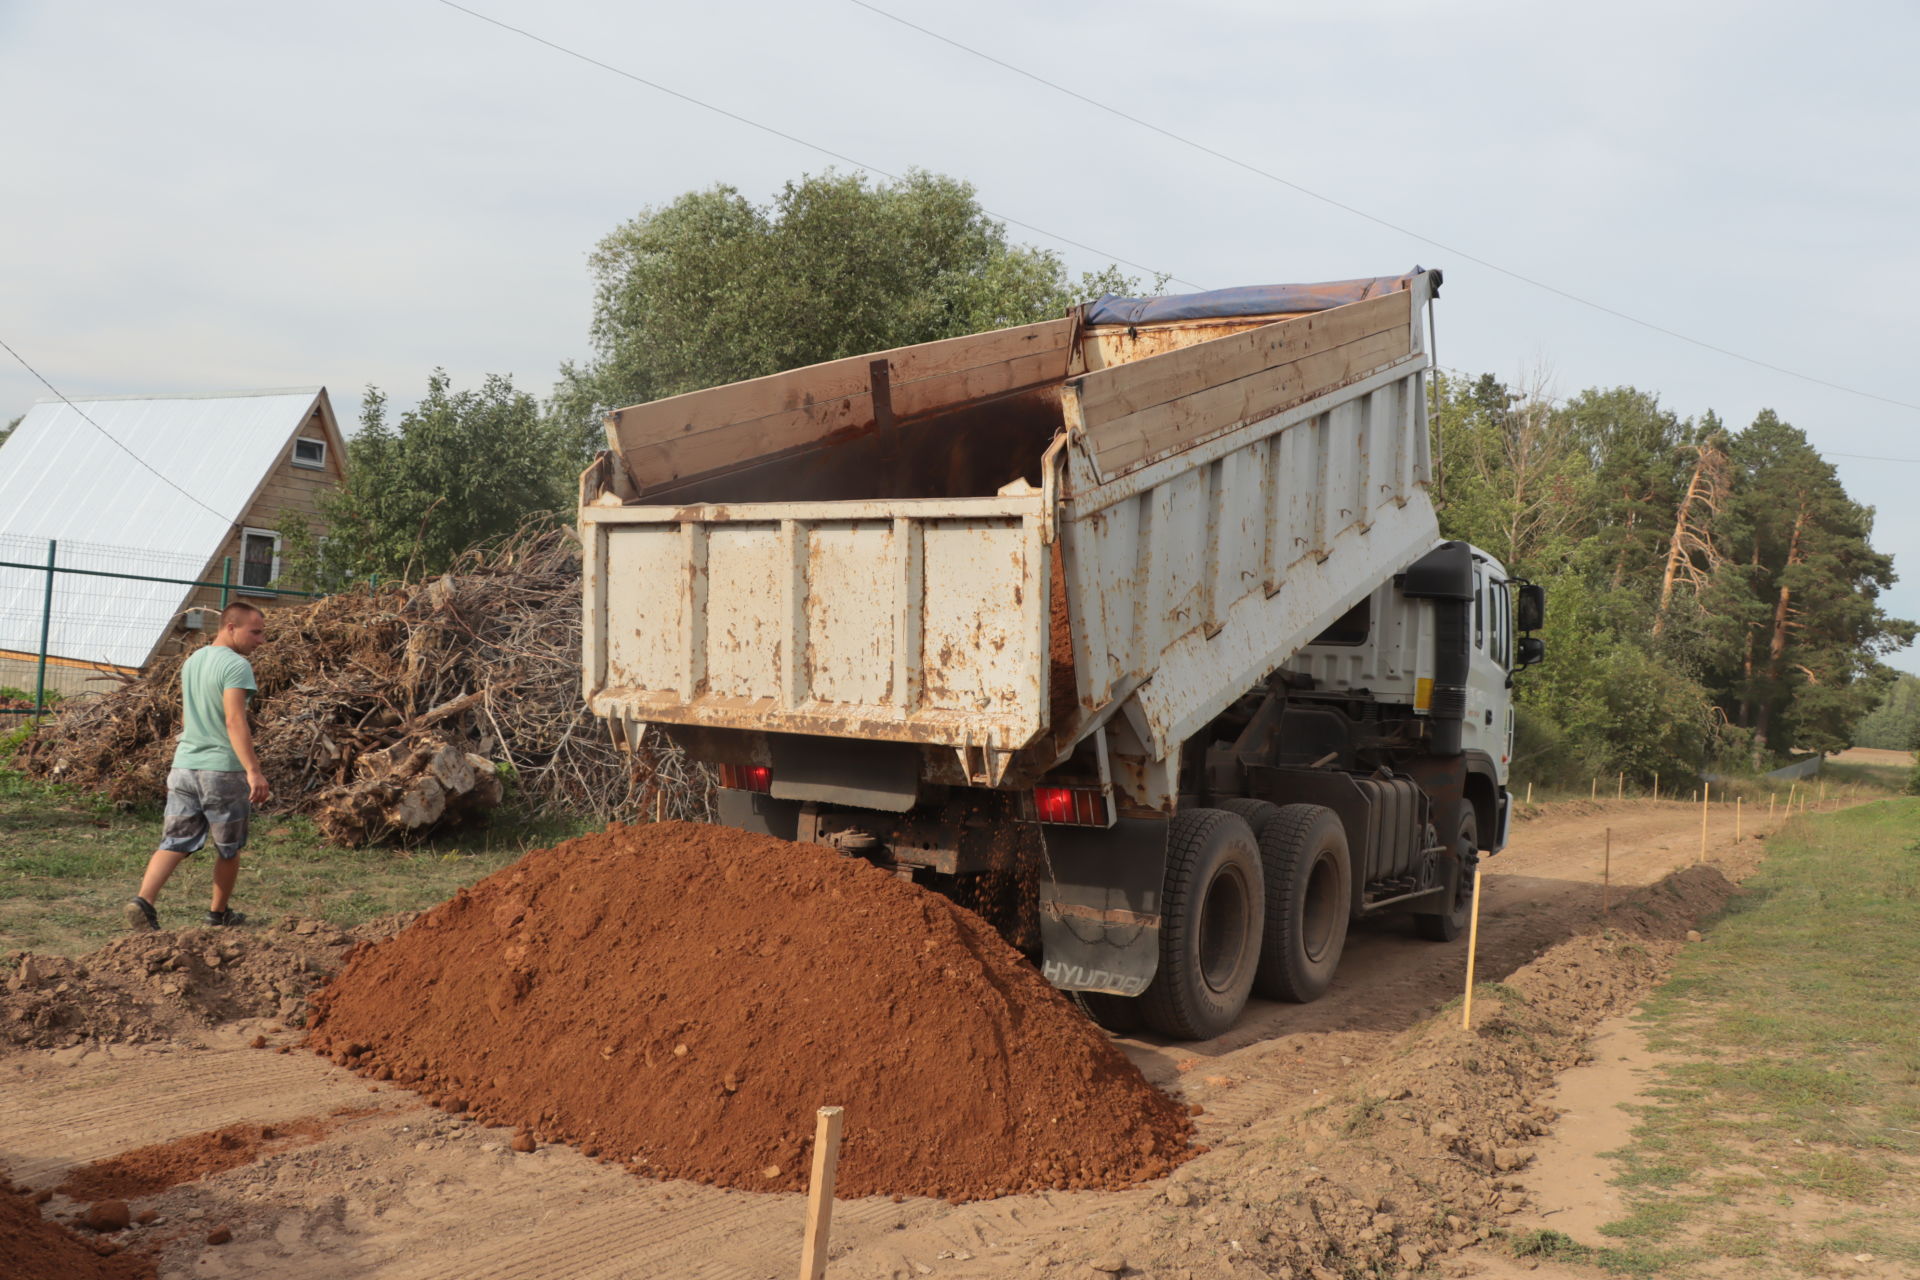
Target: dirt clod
[(962, 1072), (220, 1235), (147, 1171), (150, 987), (33, 1246), (108, 1215)]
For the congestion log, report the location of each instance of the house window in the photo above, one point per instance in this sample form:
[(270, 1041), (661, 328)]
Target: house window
[(308, 452), (259, 559)]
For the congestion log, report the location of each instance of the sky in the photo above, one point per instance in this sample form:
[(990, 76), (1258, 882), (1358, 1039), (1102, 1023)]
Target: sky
[(213, 195)]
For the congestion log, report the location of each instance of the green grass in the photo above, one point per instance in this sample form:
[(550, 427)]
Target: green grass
[(1796, 1079), (69, 860)]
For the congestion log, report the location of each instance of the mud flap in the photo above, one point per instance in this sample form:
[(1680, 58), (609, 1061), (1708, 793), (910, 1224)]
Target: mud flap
[(1100, 905), (761, 814)]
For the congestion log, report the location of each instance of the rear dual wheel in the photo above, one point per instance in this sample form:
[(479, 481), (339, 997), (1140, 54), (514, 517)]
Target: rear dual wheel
[(1303, 848), (1211, 921)]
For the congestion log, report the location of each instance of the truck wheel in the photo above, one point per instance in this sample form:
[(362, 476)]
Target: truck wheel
[(1255, 813), (1118, 1014), (1445, 926), (1309, 899), (1210, 923)]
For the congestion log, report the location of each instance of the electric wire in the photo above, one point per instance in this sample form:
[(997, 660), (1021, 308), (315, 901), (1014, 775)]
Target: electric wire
[(1383, 222), (791, 137), (84, 417)]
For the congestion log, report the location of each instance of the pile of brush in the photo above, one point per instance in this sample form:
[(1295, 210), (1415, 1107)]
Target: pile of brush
[(386, 713)]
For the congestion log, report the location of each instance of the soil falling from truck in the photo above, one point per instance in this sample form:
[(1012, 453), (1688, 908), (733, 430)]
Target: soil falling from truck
[(680, 998)]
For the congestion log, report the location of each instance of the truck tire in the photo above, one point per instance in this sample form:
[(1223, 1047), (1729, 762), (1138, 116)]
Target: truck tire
[(1255, 813), (1309, 900), (1210, 924), (1118, 1014), (1445, 926)]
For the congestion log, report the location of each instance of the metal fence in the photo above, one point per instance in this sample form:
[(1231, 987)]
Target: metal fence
[(86, 605)]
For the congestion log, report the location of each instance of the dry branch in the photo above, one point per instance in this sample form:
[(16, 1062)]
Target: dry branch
[(483, 662)]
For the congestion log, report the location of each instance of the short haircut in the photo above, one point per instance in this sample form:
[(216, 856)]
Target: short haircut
[(236, 612)]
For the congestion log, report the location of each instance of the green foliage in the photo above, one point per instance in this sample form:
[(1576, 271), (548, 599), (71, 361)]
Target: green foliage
[(713, 288), (1713, 595), (9, 429), (1894, 725), (460, 468)]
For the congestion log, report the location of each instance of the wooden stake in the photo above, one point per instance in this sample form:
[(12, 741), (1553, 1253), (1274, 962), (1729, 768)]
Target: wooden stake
[(1656, 784), (1706, 798), (1622, 792), (1736, 818), (826, 1160), (1606, 877), (1473, 945), (1792, 790), (1529, 793), (1823, 791), (1772, 796), (1594, 792)]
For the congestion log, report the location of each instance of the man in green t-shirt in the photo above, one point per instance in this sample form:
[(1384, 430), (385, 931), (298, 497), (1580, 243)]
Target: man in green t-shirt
[(216, 778)]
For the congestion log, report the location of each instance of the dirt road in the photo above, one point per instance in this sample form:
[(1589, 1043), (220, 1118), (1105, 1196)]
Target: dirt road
[(406, 1192)]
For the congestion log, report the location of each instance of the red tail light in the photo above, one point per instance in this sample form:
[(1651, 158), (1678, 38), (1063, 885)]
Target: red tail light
[(1078, 806), (746, 777)]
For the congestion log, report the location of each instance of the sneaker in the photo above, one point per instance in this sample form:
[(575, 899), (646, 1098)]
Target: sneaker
[(140, 915), (225, 919)]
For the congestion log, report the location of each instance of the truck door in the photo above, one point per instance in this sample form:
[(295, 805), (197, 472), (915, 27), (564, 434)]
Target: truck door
[(1489, 720)]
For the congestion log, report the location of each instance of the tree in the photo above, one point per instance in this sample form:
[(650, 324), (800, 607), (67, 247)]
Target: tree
[(460, 468), (1894, 725), (1511, 477), (1633, 448), (1814, 630), (1693, 551), (713, 288), (10, 426)]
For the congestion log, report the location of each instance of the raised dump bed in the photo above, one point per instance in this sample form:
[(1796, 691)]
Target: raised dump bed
[(866, 549)]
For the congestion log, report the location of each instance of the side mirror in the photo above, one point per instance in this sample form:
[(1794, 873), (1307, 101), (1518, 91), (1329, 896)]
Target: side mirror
[(1530, 650), (1530, 610)]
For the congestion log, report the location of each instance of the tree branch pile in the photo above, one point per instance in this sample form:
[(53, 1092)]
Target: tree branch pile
[(388, 713)]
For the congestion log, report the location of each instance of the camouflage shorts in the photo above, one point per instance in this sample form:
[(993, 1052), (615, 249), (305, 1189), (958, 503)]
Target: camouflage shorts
[(202, 802)]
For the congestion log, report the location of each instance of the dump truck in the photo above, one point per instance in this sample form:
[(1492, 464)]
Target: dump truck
[(1133, 630)]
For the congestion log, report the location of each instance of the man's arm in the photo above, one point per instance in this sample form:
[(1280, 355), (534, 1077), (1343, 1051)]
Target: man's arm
[(241, 736)]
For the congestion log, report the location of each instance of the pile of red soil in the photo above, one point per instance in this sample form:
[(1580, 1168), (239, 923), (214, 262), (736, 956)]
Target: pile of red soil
[(147, 1171), (32, 1246), (682, 998)]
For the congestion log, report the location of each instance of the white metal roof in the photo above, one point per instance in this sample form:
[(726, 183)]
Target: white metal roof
[(62, 478)]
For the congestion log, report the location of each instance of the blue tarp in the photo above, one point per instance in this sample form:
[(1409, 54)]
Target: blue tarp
[(1248, 300)]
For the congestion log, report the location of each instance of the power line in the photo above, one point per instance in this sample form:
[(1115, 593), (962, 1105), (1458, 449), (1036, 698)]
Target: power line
[(109, 435), (1379, 221), (789, 137), (1566, 403)]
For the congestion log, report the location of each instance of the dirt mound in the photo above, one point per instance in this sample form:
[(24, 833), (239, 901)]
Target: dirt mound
[(682, 997), (147, 1171), (31, 1246), (484, 660), (155, 986), (1414, 1160)]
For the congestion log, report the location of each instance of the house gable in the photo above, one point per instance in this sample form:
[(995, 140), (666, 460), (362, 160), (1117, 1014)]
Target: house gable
[(287, 492)]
